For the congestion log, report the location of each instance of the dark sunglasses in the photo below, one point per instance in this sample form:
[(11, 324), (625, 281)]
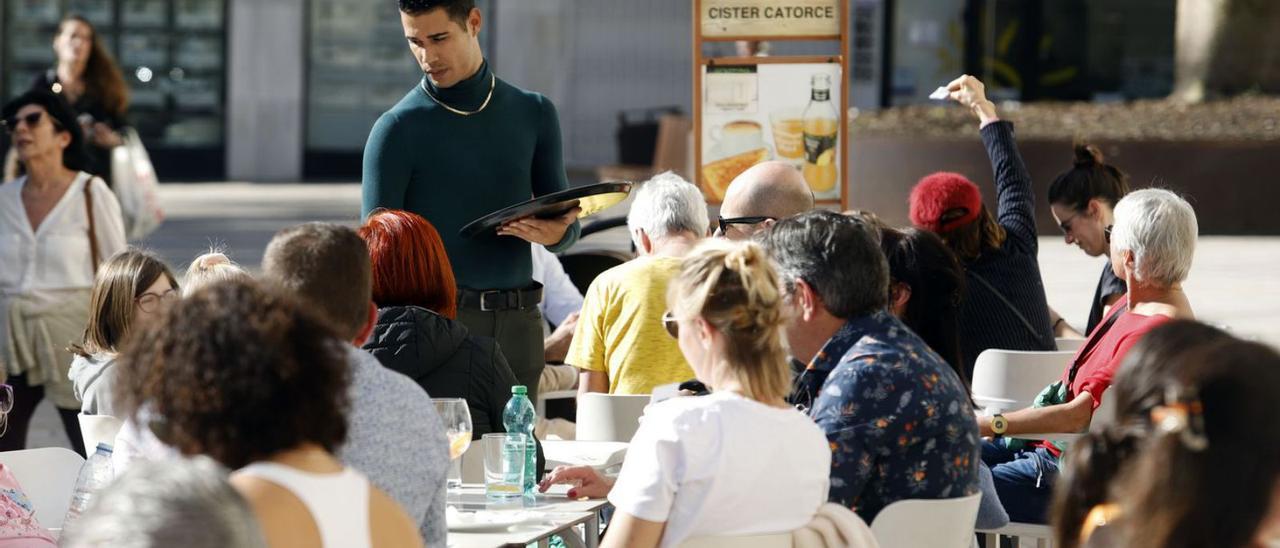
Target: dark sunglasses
[(671, 324), (724, 223), (11, 123)]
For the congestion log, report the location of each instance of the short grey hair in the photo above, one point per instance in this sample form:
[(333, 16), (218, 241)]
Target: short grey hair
[(1160, 228), (667, 204), (183, 502), (838, 255)]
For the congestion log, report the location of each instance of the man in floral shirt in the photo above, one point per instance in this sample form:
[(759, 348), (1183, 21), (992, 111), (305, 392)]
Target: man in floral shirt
[(898, 417)]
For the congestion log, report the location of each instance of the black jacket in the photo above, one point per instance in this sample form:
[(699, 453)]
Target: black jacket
[(440, 355)]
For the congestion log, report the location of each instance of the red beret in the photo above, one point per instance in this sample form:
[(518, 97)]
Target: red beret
[(939, 193)]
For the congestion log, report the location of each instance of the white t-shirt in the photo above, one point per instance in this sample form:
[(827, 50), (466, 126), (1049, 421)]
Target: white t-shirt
[(723, 465), (559, 296)]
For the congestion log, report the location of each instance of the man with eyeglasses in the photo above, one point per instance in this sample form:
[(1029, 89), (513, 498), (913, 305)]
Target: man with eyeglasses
[(759, 197)]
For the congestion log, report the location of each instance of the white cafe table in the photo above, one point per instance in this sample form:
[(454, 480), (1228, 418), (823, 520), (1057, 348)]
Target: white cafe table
[(561, 515)]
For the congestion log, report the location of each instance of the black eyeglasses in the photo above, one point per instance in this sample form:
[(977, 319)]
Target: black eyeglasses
[(724, 223), (671, 324), (150, 302), (11, 123)]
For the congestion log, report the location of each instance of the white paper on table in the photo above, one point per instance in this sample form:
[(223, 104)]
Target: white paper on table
[(596, 454)]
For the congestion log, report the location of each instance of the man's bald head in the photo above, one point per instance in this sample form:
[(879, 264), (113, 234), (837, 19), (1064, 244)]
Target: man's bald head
[(768, 189)]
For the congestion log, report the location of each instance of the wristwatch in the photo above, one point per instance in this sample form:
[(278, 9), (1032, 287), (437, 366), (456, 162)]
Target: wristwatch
[(999, 424)]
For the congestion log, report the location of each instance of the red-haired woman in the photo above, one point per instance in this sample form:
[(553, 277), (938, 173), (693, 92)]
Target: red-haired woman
[(416, 333)]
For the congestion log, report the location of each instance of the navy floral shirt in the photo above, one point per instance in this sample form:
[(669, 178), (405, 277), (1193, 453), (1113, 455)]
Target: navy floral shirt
[(899, 420)]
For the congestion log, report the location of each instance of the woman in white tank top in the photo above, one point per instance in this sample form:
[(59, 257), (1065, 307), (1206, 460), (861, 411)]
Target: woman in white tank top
[(245, 377)]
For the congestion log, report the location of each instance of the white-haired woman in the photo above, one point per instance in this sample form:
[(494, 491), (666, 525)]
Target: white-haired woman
[(1152, 245), (619, 345)]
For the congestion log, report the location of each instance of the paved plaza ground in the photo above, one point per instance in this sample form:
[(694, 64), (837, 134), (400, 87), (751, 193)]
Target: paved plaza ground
[(1234, 282)]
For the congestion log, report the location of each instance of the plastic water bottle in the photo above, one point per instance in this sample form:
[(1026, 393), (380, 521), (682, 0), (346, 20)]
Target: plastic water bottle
[(519, 416), (94, 475)]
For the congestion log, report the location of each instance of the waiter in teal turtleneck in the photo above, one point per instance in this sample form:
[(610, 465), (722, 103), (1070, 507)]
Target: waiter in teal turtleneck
[(462, 144)]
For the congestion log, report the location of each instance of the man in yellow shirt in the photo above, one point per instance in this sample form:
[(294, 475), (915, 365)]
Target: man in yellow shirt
[(620, 345)]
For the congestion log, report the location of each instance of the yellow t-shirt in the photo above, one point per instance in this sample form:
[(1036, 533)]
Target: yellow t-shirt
[(620, 330)]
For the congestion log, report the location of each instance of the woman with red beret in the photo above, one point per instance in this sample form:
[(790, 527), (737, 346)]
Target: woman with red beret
[(1004, 305)]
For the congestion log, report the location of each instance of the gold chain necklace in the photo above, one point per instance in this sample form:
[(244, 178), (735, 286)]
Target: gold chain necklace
[(493, 81)]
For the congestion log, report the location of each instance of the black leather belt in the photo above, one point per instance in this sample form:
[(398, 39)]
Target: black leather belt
[(500, 299)]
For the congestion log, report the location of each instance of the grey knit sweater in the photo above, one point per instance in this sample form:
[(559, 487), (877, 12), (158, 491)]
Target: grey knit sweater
[(396, 439)]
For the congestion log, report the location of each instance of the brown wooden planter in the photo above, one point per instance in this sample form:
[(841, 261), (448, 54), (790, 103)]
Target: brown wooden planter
[(1234, 185)]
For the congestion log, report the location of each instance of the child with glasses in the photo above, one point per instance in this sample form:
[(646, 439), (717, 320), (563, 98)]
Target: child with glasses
[(131, 287)]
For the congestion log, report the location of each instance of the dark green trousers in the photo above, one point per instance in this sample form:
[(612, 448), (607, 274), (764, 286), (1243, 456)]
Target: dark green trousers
[(519, 336)]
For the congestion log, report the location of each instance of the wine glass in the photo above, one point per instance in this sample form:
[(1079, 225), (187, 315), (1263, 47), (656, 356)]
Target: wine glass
[(456, 417)]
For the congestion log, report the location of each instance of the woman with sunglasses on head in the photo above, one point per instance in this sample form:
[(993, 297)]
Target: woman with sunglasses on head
[(741, 460), (1082, 200), (57, 223), (131, 288)]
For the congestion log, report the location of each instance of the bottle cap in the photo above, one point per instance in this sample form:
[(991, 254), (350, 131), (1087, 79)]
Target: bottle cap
[(519, 389)]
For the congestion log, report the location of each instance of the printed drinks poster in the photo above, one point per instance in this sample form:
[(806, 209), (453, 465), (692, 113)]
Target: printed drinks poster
[(787, 112)]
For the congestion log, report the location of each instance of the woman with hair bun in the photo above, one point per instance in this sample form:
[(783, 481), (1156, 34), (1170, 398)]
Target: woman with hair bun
[(739, 461), (211, 267), (1083, 200)]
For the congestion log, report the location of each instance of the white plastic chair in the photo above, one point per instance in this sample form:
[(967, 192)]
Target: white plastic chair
[(609, 417), (1069, 344), (769, 540), (1005, 380), (938, 523), (1022, 534), (48, 475), (95, 429)]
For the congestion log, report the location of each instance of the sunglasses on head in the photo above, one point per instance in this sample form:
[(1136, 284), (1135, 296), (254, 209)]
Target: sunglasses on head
[(671, 324), (724, 223), (11, 123)]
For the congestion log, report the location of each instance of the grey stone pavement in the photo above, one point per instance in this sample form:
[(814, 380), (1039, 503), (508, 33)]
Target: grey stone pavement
[(1233, 282)]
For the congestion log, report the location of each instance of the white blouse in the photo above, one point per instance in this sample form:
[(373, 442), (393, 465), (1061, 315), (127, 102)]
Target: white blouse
[(47, 262), (723, 465)]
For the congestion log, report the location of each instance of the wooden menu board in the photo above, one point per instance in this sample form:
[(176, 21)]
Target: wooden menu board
[(815, 19), (748, 110)]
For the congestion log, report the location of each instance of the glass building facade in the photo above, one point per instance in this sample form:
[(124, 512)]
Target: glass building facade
[(172, 53)]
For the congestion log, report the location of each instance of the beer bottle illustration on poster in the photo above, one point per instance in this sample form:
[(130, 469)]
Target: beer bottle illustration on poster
[(786, 112)]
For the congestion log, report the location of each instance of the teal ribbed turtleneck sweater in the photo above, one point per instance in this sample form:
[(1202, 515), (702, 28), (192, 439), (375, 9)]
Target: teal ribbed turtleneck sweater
[(453, 169)]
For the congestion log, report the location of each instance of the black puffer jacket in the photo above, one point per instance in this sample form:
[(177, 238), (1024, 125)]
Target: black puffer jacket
[(440, 355)]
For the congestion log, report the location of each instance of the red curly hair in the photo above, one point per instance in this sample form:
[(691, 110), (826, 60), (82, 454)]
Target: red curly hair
[(410, 266)]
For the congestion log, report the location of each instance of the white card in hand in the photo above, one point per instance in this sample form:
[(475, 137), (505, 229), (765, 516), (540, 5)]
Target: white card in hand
[(940, 94)]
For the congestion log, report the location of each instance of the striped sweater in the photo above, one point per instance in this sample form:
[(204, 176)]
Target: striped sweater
[(986, 321)]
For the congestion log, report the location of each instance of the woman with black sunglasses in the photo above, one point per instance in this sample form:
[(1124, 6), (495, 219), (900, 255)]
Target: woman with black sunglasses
[(57, 223)]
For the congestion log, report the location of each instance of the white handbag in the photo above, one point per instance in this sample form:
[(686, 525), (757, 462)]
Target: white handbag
[(134, 181)]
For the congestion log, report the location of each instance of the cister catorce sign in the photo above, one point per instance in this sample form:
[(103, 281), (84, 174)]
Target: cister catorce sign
[(770, 18)]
